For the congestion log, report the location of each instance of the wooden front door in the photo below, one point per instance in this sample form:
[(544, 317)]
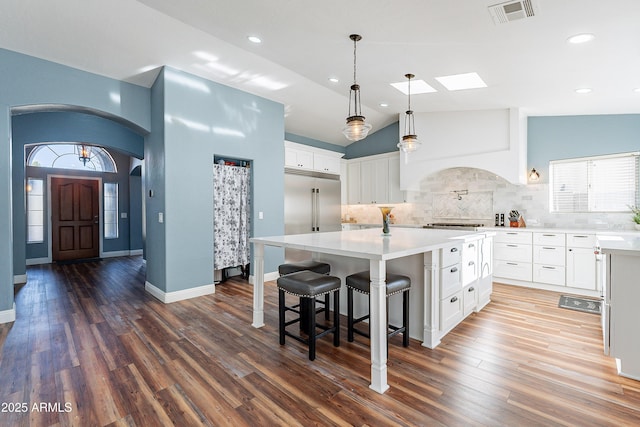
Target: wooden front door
[(75, 219)]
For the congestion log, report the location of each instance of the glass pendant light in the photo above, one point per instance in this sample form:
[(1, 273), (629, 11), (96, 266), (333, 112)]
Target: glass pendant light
[(409, 141), (355, 129)]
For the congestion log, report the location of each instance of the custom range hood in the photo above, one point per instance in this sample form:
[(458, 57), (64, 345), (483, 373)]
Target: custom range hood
[(493, 140)]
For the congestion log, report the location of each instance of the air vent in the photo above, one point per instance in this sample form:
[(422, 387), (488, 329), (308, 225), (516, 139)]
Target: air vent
[(503, 13)]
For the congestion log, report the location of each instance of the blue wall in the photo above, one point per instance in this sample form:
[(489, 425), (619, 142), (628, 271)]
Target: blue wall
[(383, 141), (202, 119), (562, 137), (30, 81), (313, 142)]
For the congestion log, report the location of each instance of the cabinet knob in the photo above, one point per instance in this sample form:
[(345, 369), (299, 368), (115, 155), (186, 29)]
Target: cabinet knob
[(471, 289), (454, 269), (454, 299)]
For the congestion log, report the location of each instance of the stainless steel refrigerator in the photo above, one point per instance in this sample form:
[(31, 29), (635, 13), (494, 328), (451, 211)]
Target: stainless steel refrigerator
[(311, 205)]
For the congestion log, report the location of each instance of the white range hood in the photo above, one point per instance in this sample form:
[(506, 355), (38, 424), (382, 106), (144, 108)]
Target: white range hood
[(493, 140)]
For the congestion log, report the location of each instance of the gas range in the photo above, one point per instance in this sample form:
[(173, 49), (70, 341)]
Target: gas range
[(453, 226)]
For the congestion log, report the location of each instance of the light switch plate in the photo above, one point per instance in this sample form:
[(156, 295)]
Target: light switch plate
[(160, 217)]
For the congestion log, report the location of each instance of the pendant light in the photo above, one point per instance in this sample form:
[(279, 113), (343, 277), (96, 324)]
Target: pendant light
[(409, 141), (355, 129), (84, 153)]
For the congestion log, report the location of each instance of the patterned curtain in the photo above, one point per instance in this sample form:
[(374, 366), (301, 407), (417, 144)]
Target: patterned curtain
[(231, 216)]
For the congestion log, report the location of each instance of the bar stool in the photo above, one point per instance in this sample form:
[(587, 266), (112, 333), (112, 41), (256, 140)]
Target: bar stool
[(307, 285), (316, 267), (396, 283)]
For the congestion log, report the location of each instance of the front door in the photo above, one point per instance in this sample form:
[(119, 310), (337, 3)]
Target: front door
[(75, 219)]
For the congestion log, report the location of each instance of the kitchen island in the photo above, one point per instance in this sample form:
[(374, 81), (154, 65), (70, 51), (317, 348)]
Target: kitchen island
[(621, 294), (432, 258)]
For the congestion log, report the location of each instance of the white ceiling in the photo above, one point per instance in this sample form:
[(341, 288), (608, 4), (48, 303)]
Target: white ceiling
[(525, 63)]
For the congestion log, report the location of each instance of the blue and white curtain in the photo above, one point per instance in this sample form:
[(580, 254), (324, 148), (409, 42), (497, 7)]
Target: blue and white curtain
[(231, 216)]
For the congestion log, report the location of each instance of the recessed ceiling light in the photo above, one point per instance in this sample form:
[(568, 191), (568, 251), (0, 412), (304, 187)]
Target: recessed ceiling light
[(462, 81), (333, 80), (583, 90), (581, 38), (417, 86), (383, 104), (254, 39)]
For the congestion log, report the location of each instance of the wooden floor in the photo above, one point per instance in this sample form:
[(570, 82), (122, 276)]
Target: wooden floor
[(90, 347)]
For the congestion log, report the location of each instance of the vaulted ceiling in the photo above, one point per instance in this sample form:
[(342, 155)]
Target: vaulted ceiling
[(526, 63)]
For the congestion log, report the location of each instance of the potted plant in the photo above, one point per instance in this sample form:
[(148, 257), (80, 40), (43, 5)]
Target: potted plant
[(636, 216)]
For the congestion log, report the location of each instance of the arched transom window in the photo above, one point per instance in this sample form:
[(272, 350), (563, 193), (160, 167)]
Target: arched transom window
[(70, 156)]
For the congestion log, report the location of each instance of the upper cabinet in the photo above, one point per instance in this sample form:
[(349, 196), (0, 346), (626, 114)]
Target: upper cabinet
[(374, 180), (308, 158)]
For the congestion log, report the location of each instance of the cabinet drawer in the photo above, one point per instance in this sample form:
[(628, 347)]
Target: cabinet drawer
[(523, 237), (581, 240), (512, 252), (469, 299), (450, 280), (450, 311), (451, 255), (549, 255), (550, 274), (513, 270), (549, 239)]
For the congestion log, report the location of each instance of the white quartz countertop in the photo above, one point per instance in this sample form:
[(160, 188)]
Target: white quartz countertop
[(619, 243), (370, 244)]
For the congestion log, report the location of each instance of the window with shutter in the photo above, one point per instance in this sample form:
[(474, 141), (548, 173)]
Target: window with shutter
[(594, 184)]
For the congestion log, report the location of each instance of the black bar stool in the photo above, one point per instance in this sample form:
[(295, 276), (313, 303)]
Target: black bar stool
[(396, 283), (307, 285), (316, 267)]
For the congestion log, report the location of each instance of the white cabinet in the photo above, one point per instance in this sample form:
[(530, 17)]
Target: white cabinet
[(485, 273), (581, 261), (374, 181), (513, 255), (451, 309), (304, 157), (299, 159), (395, 194), (549, 258), (353, 183), (326, 164), (469, 263)]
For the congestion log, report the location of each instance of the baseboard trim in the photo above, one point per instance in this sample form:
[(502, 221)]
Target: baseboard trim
[(169, 297), (7, 316), (19, 279), (114, 254), (267, 277), (37, 261), (135, 252)]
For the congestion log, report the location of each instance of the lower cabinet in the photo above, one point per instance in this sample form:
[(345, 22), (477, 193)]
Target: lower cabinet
[(451, 311), (469, 299)]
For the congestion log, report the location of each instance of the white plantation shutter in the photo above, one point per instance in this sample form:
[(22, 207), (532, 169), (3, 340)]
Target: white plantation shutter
[(594, 184)]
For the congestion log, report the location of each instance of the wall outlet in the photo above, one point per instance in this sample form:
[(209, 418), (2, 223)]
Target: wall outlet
[(160, 217), (123, 215), (260, 215)]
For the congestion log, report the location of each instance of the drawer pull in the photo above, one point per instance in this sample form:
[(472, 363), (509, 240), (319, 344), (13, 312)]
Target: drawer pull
[(471, 289), (549, 249), (513, 234), (512, 263), (548, 268), (454, 299), (454, 269), (549, 235), (577, 236), (471, 263), (512, 246), (454, 249), (471, 245)]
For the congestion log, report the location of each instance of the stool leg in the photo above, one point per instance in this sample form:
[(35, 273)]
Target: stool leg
[(336, 318), (281, 311), (326, 307), (350, 314), (405, 318), (312, 328)]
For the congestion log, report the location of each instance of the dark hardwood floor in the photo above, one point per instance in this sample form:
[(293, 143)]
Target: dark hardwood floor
[(91, 348)]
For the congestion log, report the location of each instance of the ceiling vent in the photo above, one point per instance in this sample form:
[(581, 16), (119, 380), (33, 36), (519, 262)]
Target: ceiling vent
[(506, 12)]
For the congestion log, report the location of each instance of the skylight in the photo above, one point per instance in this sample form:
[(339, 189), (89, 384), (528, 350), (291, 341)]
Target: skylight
[(462, 81), (417, 86)]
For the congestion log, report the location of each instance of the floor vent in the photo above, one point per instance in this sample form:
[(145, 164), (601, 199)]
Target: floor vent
[(503, 13)]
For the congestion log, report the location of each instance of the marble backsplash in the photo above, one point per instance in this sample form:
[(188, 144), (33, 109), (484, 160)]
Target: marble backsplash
[(475, 196)]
